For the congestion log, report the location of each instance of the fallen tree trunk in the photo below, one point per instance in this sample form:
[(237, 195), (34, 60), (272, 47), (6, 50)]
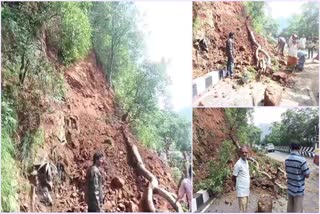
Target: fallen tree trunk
[(267, 175), (153, 186), (258, 48)]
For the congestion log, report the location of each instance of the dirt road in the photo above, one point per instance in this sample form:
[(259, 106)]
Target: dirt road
[(304, 91), (228, 202)]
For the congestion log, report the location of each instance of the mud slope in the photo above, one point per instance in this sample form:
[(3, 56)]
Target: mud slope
[(209, 131), (88, 121), (212, 23)]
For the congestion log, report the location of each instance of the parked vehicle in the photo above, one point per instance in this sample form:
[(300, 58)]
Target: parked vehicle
[(270, 147)]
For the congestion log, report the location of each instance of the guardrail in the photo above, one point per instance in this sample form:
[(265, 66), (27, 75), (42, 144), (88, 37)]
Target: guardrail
[(304, 151)]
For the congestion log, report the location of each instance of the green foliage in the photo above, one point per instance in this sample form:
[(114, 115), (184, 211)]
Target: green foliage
[(261, 22), (296, 125), (196, 24), (75, 41), (9, 200), (139, 89), (219, 170), (116, 37), (306, 23)]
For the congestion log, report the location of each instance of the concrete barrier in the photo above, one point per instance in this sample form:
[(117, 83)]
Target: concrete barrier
[(203, 84), (201, 197)]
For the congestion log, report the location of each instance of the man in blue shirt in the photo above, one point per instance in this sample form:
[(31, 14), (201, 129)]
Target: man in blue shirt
[(297, 170)]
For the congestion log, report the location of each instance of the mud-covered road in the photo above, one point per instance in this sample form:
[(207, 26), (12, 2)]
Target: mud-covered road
[(303, 92), (228, 202)]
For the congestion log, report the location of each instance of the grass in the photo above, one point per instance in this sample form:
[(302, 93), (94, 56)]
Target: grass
[(9, 186)]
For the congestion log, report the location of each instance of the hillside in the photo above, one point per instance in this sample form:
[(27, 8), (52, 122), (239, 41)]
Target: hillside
[(63, 100), (87, 122), (212, 23)]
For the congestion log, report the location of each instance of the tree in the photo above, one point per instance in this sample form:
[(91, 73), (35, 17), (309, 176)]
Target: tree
[(306, 23), (116, 36), (238, 120)]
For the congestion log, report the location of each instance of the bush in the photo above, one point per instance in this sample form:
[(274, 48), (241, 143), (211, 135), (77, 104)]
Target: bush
[(76, 33), (219, 170)]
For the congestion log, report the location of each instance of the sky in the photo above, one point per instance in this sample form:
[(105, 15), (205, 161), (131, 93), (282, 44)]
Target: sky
[(285, 8), (169, 27), (267, 114)]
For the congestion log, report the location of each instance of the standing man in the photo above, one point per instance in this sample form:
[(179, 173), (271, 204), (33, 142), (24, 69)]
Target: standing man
[(280, 45), (310, 47), (94, 195), (185, 188), (241, 177), (297, 170), (302, 42), (230, 54)]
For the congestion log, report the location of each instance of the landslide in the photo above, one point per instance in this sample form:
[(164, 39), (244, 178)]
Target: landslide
[(210, 130), (88, 120), (212, 22)]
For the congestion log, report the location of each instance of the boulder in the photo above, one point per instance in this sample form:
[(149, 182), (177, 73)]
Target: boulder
[(117, 183), (272, 96), (265, 204)]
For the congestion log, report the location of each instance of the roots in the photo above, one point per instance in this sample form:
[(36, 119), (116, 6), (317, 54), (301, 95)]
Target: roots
[(269, 176), (259, 61), (153, 187)]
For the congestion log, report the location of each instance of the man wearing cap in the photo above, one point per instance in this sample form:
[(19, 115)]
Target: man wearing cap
[(94, 195), (297, 171)]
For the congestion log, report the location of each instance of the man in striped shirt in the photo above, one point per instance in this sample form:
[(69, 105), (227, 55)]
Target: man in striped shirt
[(297, 170)]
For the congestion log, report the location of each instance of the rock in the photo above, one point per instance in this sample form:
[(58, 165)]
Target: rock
[(117, 183), (122, 207), (132, 207), (74, 195), (227, 201), (272, 96), (280, 76), (282, 62), (108, 206), (265, 204), (242, 48)]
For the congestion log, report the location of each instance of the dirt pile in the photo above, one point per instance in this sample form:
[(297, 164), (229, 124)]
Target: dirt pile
[(88, 121), (212, 22)]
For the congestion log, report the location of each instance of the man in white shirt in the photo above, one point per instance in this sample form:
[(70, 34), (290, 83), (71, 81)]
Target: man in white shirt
[(241, 177), (302, 42)]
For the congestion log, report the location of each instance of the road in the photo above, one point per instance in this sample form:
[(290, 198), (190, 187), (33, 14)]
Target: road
[(311, 199), (304, 91), (228, 202)]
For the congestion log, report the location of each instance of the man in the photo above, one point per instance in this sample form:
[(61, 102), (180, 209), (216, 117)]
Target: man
[(297, 170), (241, 177), (185, 188), (302, 42), (94, 195), (230, 54), (310, 47), (280, 45)]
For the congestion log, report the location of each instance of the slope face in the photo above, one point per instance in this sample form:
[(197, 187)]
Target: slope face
[(209, 131), (87, 121)]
